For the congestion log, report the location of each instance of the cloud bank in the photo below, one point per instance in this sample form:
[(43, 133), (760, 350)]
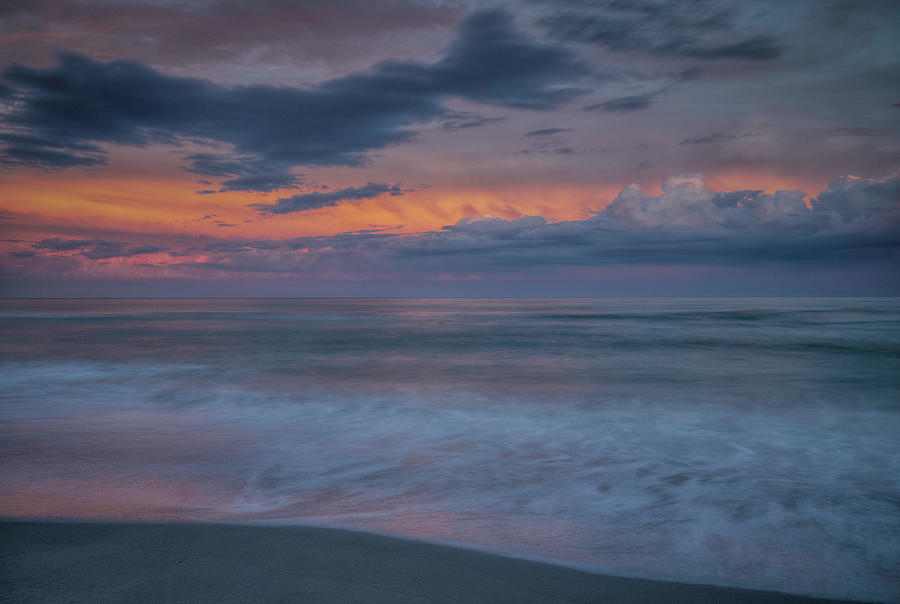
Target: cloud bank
[(854, 222)]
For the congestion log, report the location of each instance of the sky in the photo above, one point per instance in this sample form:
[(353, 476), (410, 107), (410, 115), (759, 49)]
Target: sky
[(449, 148)]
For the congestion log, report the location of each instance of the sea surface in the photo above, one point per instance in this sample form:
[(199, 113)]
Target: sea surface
[(743, 442)]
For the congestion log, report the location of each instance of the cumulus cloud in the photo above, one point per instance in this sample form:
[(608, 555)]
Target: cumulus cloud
[(851, 200), (318, 199), (59, 116), (846, 204), (689, 224)]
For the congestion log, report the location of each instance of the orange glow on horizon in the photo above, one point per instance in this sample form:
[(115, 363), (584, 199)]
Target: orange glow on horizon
[(171, 207), (55, 204)]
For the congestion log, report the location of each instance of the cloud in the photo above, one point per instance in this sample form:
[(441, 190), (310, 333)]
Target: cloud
[(96, 249), (145, 249), (851, 200), (49, 153), (466, 120), (849, 204), (59, 116), (717, 137), (623, 104), (317, 199), (492, 63), (851, 227), (231, 38), (247, 173), (548, 151), (548, 131), (855, 220), (685, 202), (757, 48), (64, 245), (698, 29)]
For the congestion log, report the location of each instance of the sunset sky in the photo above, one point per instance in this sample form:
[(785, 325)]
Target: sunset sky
[(449, 148)]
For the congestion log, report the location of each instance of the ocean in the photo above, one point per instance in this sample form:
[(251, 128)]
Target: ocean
[(741, 442)]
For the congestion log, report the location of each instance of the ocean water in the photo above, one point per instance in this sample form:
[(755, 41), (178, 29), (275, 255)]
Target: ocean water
[(745, 442)]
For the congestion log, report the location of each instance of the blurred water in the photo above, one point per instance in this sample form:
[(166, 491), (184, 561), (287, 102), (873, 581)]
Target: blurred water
[(748, 442)]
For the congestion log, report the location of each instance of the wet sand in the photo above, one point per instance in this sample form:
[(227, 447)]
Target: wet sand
[(90, 562)]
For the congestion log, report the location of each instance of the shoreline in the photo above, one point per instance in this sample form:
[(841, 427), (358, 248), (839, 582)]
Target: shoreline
[(50, 561)]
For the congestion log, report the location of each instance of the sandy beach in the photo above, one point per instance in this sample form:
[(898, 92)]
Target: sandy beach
[(90, 562)]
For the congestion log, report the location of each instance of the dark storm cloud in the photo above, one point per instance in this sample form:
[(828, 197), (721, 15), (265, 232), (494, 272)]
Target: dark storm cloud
[(96, 249), (57, 116), (690, 28), (317, 199), (490, 62), (634, 102)]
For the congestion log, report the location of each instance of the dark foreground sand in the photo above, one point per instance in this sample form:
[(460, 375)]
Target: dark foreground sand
[(81, 562)]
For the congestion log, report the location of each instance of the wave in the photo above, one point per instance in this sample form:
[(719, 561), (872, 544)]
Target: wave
[(837, 316), (644, 485), (753, 441)]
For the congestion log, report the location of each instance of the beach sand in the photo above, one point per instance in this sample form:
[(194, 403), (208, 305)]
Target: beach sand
[(92, 562)]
